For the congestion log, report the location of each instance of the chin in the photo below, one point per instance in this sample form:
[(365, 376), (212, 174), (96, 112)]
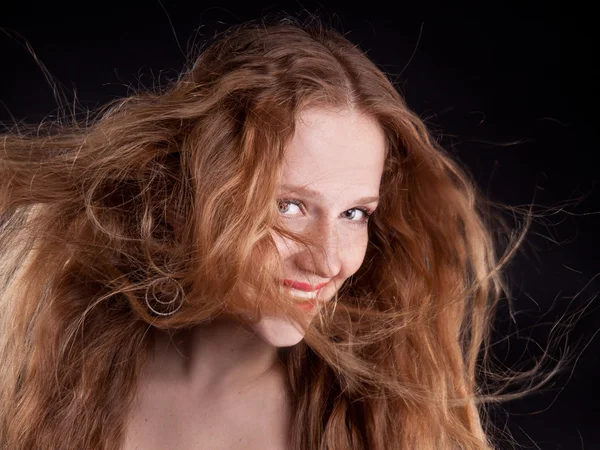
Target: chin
[(278, 332)]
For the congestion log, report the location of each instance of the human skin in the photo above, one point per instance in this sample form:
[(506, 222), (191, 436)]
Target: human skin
[(218, 385), (330, 182)]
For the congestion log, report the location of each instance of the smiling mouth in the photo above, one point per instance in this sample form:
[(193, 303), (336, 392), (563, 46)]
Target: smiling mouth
[(306, 301), (307, 295), (301, 286)]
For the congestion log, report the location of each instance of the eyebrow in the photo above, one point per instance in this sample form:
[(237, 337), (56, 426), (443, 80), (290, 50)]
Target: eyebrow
[(317, 195)]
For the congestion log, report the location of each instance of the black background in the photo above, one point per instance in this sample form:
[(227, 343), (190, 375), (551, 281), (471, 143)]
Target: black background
[(508, 88)]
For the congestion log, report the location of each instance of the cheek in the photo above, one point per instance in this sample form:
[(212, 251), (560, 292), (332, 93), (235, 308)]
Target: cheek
[(285, 247), (352, 253)]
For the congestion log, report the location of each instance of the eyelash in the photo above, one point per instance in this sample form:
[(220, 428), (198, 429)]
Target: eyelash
[(363, 223)]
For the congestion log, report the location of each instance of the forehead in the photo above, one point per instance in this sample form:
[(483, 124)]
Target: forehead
[(334, 148)]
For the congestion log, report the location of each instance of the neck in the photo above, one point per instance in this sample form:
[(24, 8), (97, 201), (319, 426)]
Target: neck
[(213, 357)]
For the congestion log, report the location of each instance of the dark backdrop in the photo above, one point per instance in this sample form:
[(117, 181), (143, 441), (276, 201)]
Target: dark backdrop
[(507, 88)]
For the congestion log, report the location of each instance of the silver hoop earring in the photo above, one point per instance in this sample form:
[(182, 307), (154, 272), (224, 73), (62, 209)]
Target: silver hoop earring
[(167, 304)]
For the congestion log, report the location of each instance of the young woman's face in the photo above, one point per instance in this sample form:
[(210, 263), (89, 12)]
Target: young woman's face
[(330, 185)]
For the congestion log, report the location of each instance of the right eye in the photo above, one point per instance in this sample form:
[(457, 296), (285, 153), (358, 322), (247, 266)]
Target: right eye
[(289, 207)]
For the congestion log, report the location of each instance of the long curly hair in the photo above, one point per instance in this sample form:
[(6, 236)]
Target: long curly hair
[(180, 184)]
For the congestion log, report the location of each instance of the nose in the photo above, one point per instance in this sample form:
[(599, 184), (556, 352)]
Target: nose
[(321, 258)]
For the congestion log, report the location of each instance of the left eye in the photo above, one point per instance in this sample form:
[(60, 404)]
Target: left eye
[(354, 214)]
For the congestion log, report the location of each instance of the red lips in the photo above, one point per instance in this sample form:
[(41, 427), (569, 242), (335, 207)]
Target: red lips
[(303, 286)]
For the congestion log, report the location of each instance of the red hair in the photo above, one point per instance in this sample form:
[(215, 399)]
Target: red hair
[(181, 184)]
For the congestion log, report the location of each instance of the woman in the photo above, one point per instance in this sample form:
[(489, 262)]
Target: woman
[(272, 253)]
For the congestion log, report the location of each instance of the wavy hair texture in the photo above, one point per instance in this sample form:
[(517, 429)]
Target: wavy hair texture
[(181, 183)]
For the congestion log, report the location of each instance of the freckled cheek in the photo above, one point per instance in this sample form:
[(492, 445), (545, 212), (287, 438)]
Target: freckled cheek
[(285, 247), (352, 254)]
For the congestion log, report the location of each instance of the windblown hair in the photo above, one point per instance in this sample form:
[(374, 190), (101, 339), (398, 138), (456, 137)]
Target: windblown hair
[(181, 184)]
